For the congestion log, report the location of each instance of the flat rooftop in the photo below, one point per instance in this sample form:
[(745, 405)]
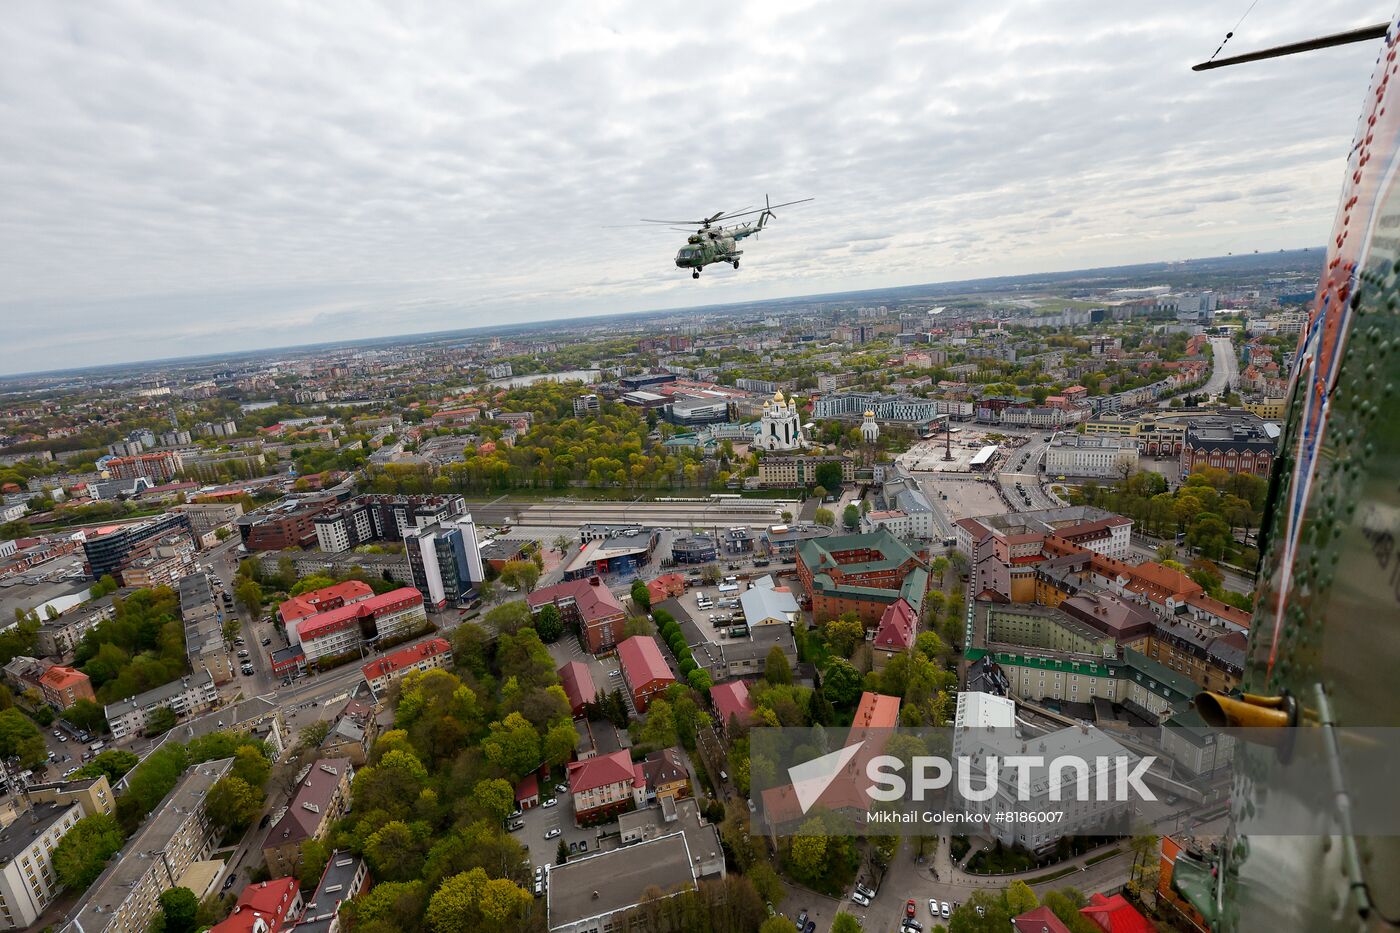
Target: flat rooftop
[(611, 881), (112, 888)]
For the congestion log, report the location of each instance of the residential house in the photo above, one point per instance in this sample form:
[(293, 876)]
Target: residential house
[(644, 670), (321, 797), (604, 785)]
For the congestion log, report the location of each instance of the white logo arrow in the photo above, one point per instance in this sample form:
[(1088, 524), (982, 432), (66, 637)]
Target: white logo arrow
[(811, 778)]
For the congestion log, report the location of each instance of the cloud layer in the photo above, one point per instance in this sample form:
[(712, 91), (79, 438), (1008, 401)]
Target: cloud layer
[(186, 178)]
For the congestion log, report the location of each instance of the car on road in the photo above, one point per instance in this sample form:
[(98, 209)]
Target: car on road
[(550, 802), (552, 834), (561, 788), (228, 882), (860, 899), (910, 908)]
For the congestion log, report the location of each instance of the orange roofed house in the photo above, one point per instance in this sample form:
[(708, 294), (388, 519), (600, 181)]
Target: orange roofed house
[(63, 686), (265, 907), (381, 672), (874, 714)]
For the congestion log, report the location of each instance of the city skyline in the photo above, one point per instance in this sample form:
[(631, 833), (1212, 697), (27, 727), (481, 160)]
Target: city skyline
[(184, 185)]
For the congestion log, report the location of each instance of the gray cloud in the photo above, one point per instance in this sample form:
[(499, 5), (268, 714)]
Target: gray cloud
[(184, 178)]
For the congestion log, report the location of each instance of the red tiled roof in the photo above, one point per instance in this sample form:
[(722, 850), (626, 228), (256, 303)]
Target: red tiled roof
[(642, 661), (528, 787), (1040, 920), (404, 657), (308, 604), (338, 618), (600, 771), (594, 601), (1116, 915), (577, 682), (59, 677), (896, 631), (732, 699), (876, 711)]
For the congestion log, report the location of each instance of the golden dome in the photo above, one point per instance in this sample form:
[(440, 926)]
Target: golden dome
[(870, 414), (778, 396)]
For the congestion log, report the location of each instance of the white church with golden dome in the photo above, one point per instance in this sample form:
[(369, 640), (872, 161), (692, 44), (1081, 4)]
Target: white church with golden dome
[(780, 427)]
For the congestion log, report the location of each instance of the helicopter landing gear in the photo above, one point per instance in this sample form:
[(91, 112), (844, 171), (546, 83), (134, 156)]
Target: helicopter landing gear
[(695, 274), (736, 263)]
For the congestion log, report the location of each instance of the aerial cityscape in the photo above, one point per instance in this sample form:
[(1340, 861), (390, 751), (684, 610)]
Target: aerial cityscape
[(390, 539)]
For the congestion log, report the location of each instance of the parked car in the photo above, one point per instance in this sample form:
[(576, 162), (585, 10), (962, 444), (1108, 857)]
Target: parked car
[(517, 824), (860, 899), (552, 834), (910, 908), (550, 802), (516, 814), (933, 907), (947, 910), (863, 889), (583, 845), (266, 642), (911, 924), (561, 788)]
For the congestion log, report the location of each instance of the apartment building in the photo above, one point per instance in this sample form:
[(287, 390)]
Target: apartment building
[(192, 694), (126, 896), (28, 881), (321, 797)]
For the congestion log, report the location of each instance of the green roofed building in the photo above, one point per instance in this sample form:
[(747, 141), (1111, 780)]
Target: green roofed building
[(861, 573)]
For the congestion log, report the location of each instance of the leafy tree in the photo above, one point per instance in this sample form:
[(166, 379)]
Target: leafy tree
[(162, 720), (994, 917), (842, 683), (178, 907), (828, 474), (929, 645), (471, 648), (248, 594), (776, 925), (397, 849), (850, 516), (311, 583), (513, 745), (87, 715), (776, 668), (20, 738), (843, 634), (472, 902), (825, 517), (700, 680), (524, 657), (641, 596), (1020, 898), (233, 804), (114, 762), (820, 493), (495, 796), (509, 618), (560, 742), (845, 923), (561, 853), (549, 624), (394, 905), (522, 574), (314, 855), (83, 851)]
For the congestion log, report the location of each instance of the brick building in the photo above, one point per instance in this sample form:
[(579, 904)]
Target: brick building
[(861, 573)]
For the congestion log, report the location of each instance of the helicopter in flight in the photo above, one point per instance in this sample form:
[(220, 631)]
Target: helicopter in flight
[(715, 242)]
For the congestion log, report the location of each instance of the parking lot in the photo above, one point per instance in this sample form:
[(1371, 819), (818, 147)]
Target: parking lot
[(967, 498), (542, 820)]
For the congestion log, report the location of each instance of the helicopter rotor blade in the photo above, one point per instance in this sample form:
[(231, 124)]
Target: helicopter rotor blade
[(768, 209)]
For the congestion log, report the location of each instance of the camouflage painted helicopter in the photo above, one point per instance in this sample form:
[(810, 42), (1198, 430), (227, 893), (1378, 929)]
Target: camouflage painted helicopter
[(717, 243)]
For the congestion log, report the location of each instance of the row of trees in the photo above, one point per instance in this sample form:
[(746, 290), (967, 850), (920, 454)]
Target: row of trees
[(140, 647)]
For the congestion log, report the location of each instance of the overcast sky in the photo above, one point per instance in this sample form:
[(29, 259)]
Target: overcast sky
[(190, 177)]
